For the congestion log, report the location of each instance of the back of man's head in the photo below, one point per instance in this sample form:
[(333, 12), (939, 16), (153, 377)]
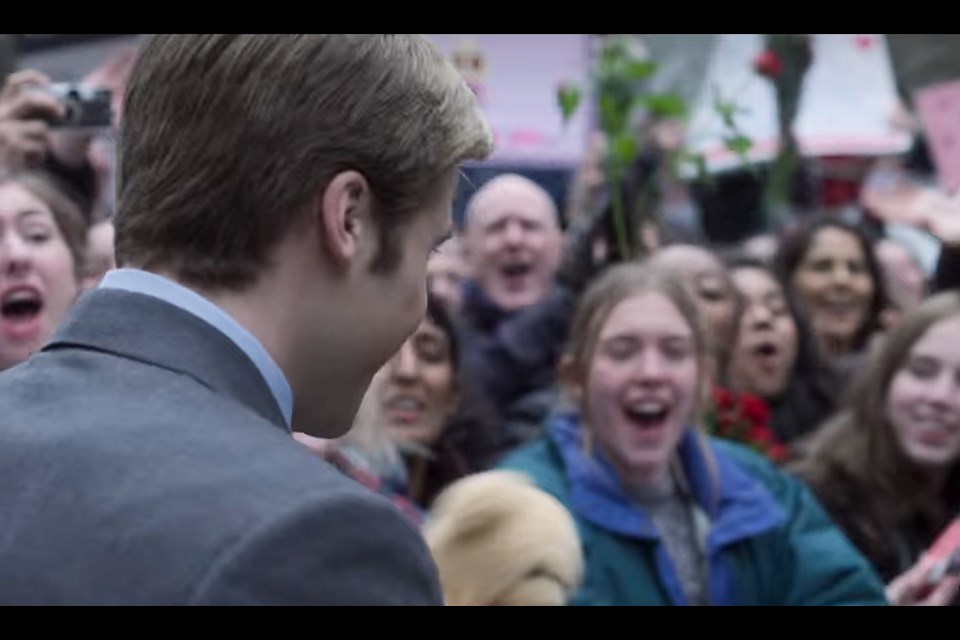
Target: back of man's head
[(228, 138)]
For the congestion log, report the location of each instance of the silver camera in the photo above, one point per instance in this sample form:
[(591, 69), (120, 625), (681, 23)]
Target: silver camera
[(85, 107)]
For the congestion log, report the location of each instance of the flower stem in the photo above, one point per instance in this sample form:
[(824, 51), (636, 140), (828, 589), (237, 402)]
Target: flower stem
[(619, 213)]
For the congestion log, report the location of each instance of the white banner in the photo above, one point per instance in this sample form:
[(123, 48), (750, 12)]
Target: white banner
[(847, 108)]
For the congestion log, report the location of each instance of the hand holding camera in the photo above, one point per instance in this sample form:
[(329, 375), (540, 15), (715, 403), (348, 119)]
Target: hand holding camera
[(83, 107), (24, 117), (32, 109)]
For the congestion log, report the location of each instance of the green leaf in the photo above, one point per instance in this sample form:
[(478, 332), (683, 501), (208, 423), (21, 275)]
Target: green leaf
[(569, 98), (613, 119), (699, 162), (624, 148), (727, 112), (739, 144), (614, 50), (665, 105), (640, 69), (612, 60)]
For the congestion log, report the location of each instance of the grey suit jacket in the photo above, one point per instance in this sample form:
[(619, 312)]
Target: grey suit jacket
[(144, 461)]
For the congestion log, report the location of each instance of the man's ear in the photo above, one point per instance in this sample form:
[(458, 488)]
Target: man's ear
[(344, 217)]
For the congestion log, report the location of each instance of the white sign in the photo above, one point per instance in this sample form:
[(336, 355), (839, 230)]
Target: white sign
[(847, 107)]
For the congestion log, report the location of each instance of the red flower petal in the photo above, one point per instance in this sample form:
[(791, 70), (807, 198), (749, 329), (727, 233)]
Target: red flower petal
[(768, 65)]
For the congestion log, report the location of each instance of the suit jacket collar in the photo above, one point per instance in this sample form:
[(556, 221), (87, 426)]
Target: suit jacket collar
[(145, 329)]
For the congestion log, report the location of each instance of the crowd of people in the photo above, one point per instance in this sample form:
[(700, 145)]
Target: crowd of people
[(299, 387)]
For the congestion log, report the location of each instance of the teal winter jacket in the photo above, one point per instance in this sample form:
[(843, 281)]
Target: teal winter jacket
[(769, 541)]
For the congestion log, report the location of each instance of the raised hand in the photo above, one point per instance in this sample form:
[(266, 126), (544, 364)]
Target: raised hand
[(928, 209), (912, 588), (25, 113)]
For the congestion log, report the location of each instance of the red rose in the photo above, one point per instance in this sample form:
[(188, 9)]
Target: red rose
[(779, 453), (755, 410), (768, 65), (761, 434), (724, 400)]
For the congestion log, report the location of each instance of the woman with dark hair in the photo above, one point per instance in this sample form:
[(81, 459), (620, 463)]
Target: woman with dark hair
[(887, 467), (829, 267), (442, 425), (775, 358)]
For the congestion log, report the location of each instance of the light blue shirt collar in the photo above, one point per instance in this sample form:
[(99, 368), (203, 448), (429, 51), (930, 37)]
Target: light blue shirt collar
[(155, 286)]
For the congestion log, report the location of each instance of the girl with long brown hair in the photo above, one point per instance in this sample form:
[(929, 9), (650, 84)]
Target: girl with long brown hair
[(887, 467)]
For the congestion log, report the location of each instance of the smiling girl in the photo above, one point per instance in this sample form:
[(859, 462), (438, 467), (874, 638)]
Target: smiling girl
[(668, 516), (888, 466)]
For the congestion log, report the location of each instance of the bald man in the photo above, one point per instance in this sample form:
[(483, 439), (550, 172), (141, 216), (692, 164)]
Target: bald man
[(514, 316), (512, 243)]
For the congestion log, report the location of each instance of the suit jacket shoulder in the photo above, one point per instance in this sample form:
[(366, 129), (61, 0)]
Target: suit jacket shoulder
[(144, 461)]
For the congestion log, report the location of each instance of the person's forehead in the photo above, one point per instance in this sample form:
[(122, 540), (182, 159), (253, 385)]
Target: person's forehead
[(940, 337), (744, 277), (648, 311), (512, 199), (687, 260), (831, 239), (755, 284), (16, 199)]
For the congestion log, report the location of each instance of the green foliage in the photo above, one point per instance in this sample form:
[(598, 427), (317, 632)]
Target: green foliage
[(617, 86)]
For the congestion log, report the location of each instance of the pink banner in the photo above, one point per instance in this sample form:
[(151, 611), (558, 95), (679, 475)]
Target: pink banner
[(939, 110)]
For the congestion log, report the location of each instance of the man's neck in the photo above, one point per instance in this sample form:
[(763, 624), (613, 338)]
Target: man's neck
[(308, 359), (264, 312)]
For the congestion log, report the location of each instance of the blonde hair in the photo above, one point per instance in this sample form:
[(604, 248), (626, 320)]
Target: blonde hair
[(228, 138), (500, 541)]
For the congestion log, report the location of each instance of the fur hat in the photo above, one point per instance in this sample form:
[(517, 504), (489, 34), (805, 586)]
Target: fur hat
[(500, 541)]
